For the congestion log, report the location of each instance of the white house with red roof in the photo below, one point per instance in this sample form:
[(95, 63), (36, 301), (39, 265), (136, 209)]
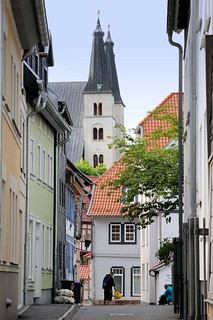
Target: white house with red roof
[(115, 242), (152, 277)]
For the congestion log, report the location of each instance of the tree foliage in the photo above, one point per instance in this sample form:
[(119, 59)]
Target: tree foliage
[(85, 167), (150, 171), (165, 251)]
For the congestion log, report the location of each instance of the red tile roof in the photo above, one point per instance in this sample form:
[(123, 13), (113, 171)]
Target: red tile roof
[(150, 124), (102, 204), (84, 272), (87, 255)]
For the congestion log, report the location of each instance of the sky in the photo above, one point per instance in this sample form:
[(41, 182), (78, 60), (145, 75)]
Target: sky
[(147, 65)]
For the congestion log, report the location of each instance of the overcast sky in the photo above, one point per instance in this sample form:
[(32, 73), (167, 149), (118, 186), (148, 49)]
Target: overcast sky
[(147, 65)]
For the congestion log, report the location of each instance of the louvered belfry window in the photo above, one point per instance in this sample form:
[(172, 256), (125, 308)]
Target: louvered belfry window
[(101, 134), (95, 160)]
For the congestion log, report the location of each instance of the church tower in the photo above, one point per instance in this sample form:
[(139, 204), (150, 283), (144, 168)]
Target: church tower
[(103, 106)]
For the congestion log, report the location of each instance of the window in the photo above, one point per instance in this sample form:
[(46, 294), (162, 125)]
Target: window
[(101, 158), (95, 160), (43, 234), (95, 109), (50, 170), (95, 134), (136, 281), (39, 162), (32, 155), (101, 134), (31, 251), (100, 109), (119, 279), (70, 205), (13, 227), (129, 233), (49, 247), (115, 232), (44, 165), (4, 84), (122, 233), (23, 149), (14, 82)]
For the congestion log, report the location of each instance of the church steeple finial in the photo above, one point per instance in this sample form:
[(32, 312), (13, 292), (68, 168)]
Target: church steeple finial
[(98, 27), (109, 39)]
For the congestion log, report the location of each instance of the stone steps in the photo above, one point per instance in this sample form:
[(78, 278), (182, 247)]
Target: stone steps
[(117, 302)]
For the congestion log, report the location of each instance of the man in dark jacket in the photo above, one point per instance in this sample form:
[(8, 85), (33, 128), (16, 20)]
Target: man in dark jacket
[(108, 283)]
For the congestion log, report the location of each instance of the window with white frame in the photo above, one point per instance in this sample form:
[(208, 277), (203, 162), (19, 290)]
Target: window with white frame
[(129, 233), (13, 227), (119, 279), (14, 77), (23, 147), (39, 162), (32, 155), (136, 281), (120, 233), (31, 249), (50, 170), (44, 166), (43, 234), (115, 232), (49, 247), (4, 84)]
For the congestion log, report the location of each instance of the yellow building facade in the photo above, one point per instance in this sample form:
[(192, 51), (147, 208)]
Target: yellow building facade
[(11, 144)]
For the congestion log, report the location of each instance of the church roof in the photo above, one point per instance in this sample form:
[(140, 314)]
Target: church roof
[(102, 74), (72, 94), (113, 78), (102, 203)]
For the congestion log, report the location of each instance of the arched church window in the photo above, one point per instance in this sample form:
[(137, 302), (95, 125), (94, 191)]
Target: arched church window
[(101, 158), (101, 134), (95, 109), (95, 160), (100, 109), (95, 134)]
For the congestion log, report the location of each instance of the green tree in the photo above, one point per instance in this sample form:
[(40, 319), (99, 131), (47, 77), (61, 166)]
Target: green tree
[(165, 251), (150, 171), (85, 167)]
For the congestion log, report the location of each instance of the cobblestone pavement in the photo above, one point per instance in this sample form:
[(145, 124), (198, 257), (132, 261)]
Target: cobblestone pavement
[(124, 312)]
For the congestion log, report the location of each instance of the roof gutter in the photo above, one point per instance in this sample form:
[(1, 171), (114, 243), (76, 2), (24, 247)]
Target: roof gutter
[(42, 21)]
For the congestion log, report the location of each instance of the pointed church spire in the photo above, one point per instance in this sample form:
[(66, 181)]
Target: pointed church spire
[(98, 73), (110, 57)]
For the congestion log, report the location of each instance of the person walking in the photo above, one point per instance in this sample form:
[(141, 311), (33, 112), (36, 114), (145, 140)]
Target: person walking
[(108, 283)]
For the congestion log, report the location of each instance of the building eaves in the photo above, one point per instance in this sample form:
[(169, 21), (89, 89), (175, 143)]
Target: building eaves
[(31, 22)]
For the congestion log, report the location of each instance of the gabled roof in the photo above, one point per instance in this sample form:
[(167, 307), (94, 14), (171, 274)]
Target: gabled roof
[(150, 124), (72, 93), (102, 204)]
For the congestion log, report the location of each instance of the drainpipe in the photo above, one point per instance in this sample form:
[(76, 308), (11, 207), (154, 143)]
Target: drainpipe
[(40, 105), (180, 157), (1, 76)]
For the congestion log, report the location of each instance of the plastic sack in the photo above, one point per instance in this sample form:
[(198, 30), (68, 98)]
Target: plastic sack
[(117, 295), (64, 292), (64, 299)]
